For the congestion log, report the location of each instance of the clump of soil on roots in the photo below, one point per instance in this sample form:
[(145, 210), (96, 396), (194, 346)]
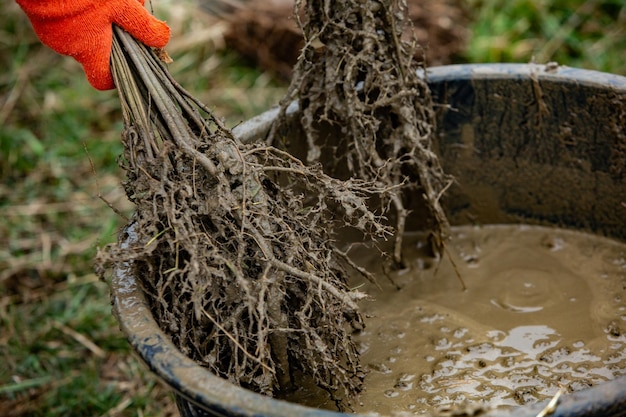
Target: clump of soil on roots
[(356, 74), (233, 243)]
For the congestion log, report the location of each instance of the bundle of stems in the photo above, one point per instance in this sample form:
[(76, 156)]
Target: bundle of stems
[(235, 247)]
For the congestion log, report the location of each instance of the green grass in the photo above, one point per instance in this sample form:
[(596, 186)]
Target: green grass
[(60, 347), (587, 34), (52, 223), (63, 355)]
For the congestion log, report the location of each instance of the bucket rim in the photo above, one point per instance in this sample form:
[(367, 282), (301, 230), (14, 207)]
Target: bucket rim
[(259, 126)]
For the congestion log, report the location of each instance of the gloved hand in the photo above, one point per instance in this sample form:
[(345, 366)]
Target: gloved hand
[(83, 30)]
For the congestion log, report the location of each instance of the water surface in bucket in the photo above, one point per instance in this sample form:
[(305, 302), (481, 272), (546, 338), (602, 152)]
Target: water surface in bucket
[(543, 308)]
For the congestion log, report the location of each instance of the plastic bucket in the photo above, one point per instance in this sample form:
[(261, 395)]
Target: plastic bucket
[(526, 143)]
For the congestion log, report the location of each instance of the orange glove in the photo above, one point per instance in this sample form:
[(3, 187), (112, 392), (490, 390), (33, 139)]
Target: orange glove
[(83, 30)]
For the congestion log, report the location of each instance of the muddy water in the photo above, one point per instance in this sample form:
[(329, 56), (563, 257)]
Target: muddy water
[(543, 308)]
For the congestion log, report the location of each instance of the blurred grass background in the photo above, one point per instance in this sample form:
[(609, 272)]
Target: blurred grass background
[(60, 347)]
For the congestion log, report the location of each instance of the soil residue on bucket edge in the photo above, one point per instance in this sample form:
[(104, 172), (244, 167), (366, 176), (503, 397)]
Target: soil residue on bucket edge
[(356, 72), (234, 244)]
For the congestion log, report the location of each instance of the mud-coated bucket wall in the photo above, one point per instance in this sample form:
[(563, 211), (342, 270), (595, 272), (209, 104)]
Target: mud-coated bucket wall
[(535, 146), (525, 144)]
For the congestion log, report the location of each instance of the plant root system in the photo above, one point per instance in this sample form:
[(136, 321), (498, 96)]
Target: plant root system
[(357, 75), (234, 244)]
